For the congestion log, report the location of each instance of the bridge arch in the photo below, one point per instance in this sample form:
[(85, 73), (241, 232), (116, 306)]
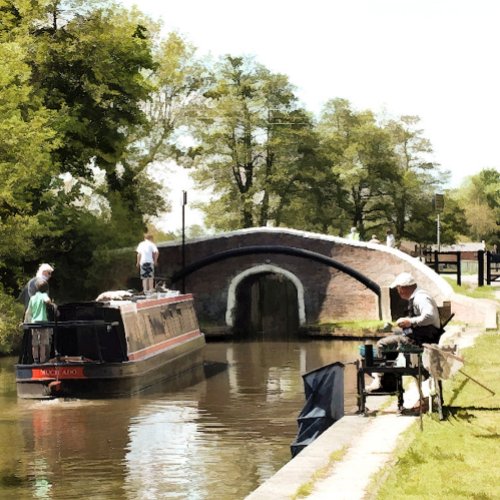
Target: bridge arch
[(341, 279), (264, 268), (278, 249)]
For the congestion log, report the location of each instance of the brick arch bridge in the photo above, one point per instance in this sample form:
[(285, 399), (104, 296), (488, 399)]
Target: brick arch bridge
[(276, 277)]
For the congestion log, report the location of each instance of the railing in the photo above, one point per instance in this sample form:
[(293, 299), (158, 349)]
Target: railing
[(492, 267), (92, 339), (488, 265), (445, 263)]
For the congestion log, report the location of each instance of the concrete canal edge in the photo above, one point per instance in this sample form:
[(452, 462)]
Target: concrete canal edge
[(341, 461), (314, 458)]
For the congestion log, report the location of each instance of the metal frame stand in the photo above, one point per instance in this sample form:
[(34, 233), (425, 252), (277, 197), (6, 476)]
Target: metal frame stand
[(382, 366)]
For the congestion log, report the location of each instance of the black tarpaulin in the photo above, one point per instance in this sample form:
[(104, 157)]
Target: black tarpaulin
[(324, 394)]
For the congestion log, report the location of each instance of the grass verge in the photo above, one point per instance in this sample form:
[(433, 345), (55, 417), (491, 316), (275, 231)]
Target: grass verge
[(455, 458), (470, 290)]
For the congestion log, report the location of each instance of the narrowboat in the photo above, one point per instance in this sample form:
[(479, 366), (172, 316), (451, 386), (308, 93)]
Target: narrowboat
[(110, 348)]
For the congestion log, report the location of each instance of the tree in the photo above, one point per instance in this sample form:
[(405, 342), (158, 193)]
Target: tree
[(27, 139), (73, 82), (361, 157), (418, 180), (479, 197), (251, 143), (178, 81), (423, 225), (90, 63), (308, 192), (92, 70)]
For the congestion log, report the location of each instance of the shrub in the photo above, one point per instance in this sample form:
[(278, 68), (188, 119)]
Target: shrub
[(11, 313)]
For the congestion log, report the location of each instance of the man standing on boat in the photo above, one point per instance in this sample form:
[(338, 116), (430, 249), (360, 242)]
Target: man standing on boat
[(147, 258), (44, 272)]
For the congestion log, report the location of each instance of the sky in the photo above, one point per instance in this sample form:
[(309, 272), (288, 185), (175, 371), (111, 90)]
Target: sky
[(436, 59)]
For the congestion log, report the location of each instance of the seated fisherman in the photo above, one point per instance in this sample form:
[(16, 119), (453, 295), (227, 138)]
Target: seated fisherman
[(422, 324)]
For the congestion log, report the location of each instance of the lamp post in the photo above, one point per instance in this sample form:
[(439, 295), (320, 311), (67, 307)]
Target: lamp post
[(184, 203), (438, 206)]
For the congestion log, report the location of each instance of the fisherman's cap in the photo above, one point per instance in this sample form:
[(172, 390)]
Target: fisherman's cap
[(45, 267), (403, 279)]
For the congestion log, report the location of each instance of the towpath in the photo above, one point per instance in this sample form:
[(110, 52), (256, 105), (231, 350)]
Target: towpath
[(344, 460)]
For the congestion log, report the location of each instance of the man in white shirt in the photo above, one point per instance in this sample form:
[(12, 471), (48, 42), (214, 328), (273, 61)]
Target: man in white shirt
[(44, 272), (390, 241), (353, 235), (147, 258), (423, 314), (421, 325)]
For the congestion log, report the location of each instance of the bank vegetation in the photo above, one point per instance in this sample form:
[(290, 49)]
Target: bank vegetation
[(455, 458), (95, 106)]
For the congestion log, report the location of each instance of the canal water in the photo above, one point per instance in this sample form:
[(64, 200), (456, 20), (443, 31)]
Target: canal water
[(220, 437)]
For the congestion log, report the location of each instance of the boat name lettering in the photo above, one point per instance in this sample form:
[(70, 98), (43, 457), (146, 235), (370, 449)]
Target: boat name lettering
[(59, 372)]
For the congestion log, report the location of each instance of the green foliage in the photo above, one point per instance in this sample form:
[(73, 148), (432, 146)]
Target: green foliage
[(455, 458), (73, 79), (73, 82), (110, 270), (27, 139), (94, 104), (479, 196), (418, 180), (360, 156), (83, 246), (422, 226), (90, 63), (90, 68), (476, 292), (252, 145), (177, 85), (11, 314)]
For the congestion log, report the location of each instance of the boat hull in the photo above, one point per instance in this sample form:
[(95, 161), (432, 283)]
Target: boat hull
[(97, 380), (179, 348)]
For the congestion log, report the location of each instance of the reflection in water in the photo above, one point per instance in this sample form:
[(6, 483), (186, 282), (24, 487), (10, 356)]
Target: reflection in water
[(70, 444), (221, 437)]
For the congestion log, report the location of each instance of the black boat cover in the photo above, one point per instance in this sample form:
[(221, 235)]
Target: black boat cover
[(324, 393)]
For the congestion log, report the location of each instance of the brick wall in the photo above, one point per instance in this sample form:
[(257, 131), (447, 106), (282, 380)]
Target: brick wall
[(329, 294)]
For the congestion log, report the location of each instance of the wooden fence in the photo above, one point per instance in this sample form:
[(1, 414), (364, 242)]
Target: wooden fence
[(488, 265)]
